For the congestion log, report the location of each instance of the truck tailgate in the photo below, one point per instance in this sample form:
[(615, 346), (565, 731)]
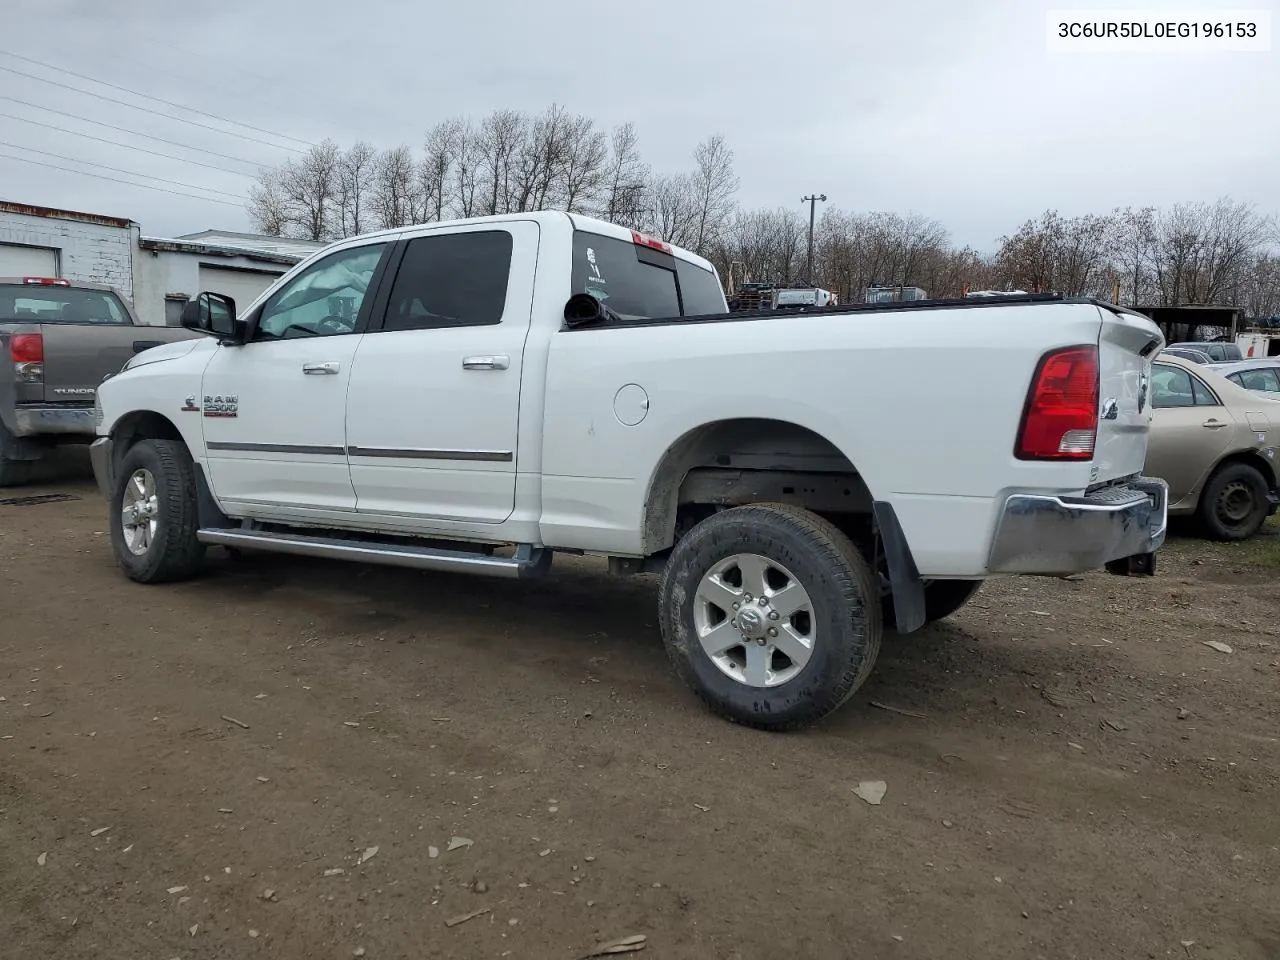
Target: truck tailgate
[(77, 356), (1127, 344)]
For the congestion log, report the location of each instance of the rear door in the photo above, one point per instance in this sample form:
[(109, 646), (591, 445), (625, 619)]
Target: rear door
[(433, 407), (1190, 430)]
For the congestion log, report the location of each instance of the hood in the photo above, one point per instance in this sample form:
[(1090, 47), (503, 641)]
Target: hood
[(166, 351)]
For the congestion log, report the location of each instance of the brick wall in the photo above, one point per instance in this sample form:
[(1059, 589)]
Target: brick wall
[(94, 252)]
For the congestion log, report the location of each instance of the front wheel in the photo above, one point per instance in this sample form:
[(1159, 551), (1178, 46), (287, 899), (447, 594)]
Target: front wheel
[(1234, 504), (153, 513), (771, 614)]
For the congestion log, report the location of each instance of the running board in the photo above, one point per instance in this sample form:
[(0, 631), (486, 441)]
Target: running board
[(528, 562)]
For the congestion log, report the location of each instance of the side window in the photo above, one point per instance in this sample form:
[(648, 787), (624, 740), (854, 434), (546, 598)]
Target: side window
[(324, 300), (1204, 396), (1263, 378), (1237, 380), (1171, 387), (451, 280)]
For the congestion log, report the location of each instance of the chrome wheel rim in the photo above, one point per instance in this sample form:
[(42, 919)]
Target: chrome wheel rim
[(754, 620), (139, 512)]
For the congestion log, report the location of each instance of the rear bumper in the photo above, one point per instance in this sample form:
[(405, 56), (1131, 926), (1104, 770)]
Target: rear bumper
[(36, 420), (100, 455), (1041, 534)]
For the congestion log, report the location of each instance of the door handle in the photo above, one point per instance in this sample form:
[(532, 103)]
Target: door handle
[(312, 369), (486, 363), (1213, 424)]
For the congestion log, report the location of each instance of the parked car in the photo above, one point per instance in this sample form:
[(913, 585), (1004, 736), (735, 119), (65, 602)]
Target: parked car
[(1215, 444), (1218, 351), (519, 385), (1186, 353), (1262, 374), (60, 340)]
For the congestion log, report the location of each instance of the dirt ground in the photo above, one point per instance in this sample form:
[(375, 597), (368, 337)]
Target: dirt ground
[(197, 771)]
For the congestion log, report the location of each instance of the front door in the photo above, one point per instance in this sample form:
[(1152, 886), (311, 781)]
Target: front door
[(1190, 429), (433, 408), (275, 408)]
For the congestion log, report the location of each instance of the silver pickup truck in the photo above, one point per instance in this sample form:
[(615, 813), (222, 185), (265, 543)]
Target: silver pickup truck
[(58, 340)]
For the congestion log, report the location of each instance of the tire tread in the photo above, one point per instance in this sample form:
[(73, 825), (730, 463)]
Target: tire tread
[(856, 583)]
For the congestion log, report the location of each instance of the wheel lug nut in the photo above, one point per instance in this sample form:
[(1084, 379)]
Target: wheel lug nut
[(773, 614), (736, 606), (773, 631), (746, 597), (764, 601)]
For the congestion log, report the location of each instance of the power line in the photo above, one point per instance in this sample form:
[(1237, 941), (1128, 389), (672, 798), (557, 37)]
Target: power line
[(147, 96), (127, 183), (132, 173), (127, 146), (134, 106), (132, 133)]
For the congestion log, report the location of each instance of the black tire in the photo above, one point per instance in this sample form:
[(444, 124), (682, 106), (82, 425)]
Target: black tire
[(173, 552), (844, 618), (1234, 504), (14, 472), (942, 598)]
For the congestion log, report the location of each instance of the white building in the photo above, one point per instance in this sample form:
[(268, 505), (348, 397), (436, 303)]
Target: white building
[(159, 275), (168, 273)]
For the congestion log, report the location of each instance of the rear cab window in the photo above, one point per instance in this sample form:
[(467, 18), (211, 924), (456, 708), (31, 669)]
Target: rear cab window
[(640, 282), (47, 303)]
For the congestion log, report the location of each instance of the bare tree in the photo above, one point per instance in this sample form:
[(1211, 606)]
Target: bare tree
[(441, 152), (1199, 249), (1056, 254), (625, 179), (498, 144), (307, 187), (1133, 238), (714, 185), (672, 210), (467, 163), (268, 209), (356, 172), (584, 165), (396, 188)]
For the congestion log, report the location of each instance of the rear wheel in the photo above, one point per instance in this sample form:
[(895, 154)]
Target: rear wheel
[(14, 471), (153, 513), (1234, 503), (771, 614)]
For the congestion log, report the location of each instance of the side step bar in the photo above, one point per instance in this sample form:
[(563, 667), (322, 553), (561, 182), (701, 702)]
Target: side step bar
[(528, 562)]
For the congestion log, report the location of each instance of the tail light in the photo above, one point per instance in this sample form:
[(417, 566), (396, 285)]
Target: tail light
[(26, 351), (1061, 418)]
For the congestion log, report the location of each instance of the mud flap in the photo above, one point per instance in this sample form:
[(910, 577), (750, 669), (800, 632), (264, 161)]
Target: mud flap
[(1138, 565), (904, 579)]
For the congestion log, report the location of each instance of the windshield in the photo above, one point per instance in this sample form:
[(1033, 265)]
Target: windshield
[(638, 282), (41, 303)]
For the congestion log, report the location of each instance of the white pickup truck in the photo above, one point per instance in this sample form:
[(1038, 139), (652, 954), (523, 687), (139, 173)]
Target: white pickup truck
[(474, 396)]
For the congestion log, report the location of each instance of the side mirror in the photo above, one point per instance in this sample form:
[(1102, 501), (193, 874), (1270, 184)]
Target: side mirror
[(214, 314), (583, 310)]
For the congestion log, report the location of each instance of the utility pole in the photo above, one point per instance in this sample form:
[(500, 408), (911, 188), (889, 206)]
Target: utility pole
[(813, 203)]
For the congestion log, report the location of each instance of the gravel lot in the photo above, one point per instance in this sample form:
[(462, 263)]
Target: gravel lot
[(197, 771)]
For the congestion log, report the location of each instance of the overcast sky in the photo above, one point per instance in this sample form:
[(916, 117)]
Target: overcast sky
[(949, 108)]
